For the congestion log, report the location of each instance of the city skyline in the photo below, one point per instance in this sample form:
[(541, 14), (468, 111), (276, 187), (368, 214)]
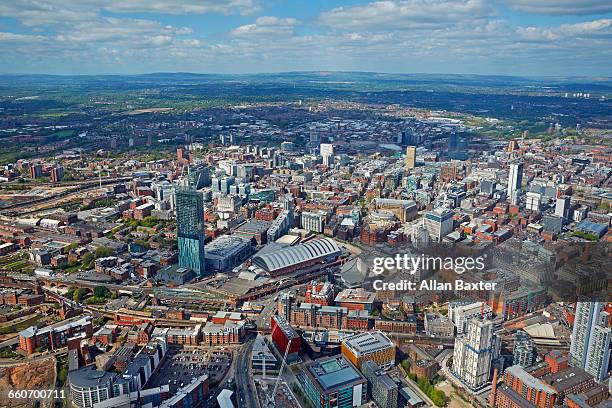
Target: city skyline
[(509, 37)]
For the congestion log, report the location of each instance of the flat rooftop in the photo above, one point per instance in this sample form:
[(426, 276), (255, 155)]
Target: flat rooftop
[(335, 373), (364, 344)]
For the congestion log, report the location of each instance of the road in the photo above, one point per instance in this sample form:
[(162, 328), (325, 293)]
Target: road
[(245, 387)]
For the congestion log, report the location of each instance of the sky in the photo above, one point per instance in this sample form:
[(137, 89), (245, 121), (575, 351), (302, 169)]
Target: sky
[(498, 37)]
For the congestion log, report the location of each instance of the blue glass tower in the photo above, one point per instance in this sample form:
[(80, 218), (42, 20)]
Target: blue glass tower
[(190, 229)]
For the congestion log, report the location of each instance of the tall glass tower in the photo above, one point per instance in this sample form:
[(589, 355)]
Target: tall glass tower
[(190, 229)]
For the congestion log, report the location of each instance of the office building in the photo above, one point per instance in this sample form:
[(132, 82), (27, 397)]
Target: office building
[(285, 338), (190, 229), (314, 222), (356, 299), (474, 352), (369, 346), (381, 388), (404, 210), (523, 351), (262, 358), (533, 201), (334, 383), (515, 180), (591, 339), (439, 223), (199, 176), (488, 187), (410, 157), (562, 207), (461, 312), (327, 152)]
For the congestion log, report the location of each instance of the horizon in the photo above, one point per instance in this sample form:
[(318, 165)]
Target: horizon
[(433, 74), (550, 38)]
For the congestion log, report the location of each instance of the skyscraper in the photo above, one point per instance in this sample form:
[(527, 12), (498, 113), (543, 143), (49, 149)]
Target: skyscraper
[(562, 207), (591, 339), (190, 229), (515, 179), (474, 352), (327, 152), (410, 157), (452, 140)]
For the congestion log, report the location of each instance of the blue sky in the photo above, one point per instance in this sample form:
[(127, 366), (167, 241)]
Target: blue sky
[(505, 37)]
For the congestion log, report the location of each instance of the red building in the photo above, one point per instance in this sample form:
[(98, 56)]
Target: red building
[(283, 336), (320, 294), (530, 388)]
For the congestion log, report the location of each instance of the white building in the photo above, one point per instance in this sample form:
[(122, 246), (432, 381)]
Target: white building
[(533, 201), (461, 313), (515, 179), (327, 152), (474, 352), (315, 222)]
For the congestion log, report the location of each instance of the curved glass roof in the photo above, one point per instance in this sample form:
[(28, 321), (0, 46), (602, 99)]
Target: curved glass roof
[(297, 254)]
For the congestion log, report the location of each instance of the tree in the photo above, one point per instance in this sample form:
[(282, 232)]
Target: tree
[(101, 292), (102, 252), (88, 259)]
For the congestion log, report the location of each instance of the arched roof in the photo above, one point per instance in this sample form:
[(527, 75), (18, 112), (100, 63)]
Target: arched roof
[(285, 257)]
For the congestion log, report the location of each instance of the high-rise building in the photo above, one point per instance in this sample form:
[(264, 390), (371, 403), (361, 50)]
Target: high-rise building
[(190, 229), (452, 140), (199, 177), (488, 187), (327, 152), (474, 352), (522, 352), (515, 179), (533, 201), (180, 154), (382, 389), (439, 223), (36, 171), (591, 339), (57, 173), (562, 207), (410, 157), (314, 142)]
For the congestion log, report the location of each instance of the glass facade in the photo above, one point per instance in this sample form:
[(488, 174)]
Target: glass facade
[(190, 229)]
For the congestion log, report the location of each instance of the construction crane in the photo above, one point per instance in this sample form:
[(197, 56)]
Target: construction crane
[(272, 397)]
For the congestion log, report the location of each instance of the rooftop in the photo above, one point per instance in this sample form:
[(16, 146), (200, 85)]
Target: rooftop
[(334, 373), (363, 344)]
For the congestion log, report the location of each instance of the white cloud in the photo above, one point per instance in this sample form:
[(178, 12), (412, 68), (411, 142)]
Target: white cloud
[(587, 29), (406, 14), (555, 7), (267, 26), (64, 12)]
